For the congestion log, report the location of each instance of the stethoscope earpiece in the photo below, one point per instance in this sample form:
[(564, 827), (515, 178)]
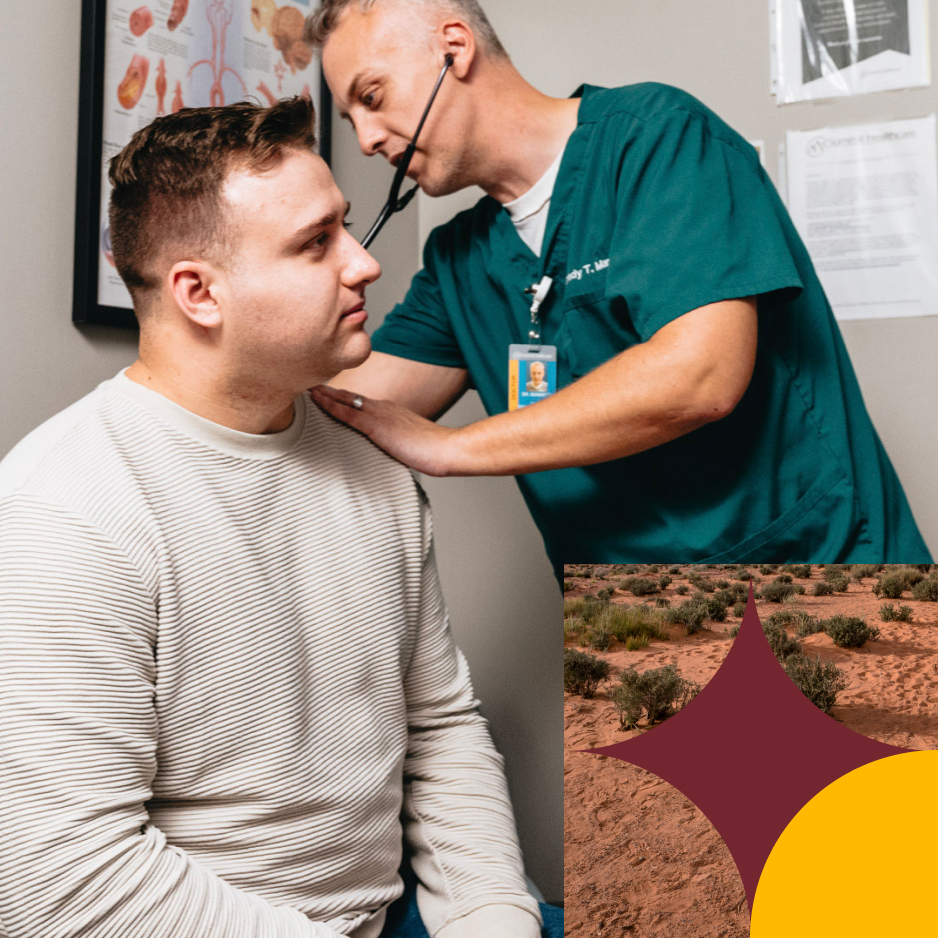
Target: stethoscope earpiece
[(396, 202)]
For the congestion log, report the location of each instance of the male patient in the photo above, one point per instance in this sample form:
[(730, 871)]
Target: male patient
[(227, 680)]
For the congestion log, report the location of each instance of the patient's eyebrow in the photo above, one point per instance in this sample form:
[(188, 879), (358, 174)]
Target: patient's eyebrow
[(300, 237)]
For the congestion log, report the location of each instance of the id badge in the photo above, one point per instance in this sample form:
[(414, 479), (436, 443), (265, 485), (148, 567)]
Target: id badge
[(532, 374)]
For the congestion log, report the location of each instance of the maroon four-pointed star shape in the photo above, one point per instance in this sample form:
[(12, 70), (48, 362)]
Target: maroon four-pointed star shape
[(750, 751)]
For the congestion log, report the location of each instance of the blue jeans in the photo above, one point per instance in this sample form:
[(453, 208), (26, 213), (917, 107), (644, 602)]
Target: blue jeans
[(404, 921)]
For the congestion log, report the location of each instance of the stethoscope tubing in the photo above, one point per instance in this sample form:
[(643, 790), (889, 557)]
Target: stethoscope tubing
[(396, 202)]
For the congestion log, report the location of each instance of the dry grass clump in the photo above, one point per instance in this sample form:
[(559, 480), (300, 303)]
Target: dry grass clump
[(593, 618)]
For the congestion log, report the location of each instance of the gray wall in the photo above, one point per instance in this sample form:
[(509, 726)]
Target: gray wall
[(45, 363)]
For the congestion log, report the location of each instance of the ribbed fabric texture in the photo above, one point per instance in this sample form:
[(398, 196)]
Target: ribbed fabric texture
[(226, 673)]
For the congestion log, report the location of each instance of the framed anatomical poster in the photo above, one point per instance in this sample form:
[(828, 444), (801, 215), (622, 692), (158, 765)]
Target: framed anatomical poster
[(144, 58)]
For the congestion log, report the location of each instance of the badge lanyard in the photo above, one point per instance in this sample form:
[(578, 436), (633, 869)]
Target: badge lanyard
[(532, 367)]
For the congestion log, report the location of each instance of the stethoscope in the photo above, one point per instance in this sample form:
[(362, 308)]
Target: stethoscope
[(396, 202)]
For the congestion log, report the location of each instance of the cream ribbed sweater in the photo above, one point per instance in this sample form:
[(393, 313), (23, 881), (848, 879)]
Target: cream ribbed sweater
[(226, 676)]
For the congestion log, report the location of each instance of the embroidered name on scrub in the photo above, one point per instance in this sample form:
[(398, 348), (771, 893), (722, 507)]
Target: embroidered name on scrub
[(578, 273)]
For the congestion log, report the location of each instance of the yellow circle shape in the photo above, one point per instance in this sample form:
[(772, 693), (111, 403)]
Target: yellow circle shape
[(859, 859)]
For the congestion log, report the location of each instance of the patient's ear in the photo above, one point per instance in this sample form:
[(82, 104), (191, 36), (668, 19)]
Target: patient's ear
[(196, 288)]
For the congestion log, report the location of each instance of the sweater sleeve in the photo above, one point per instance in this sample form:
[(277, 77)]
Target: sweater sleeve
[(457, 812), (78, 746)]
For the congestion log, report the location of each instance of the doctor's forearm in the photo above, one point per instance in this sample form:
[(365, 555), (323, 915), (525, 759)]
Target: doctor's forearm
[(680, 379), (623, 408)]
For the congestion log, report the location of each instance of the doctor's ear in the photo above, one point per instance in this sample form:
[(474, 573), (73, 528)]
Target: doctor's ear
[(195, 287), (458, 41)]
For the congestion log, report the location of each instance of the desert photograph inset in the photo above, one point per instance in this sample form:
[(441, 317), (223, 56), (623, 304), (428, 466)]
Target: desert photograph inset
[(640, 640)]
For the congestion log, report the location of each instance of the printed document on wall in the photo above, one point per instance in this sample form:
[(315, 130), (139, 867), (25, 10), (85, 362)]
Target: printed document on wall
[(830, 48), (865, 201)]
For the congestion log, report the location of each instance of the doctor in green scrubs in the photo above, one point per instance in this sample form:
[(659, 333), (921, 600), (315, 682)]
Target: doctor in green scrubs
[(702, 405)]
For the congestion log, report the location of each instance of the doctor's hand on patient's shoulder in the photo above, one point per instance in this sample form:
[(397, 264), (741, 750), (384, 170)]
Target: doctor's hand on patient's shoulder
[(413, 440)]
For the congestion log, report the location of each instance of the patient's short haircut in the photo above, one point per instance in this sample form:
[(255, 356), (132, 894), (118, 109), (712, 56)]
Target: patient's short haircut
[(167, 183), (321, 23)]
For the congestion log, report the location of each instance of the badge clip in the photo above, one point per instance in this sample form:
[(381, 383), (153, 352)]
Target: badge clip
[(539, 291)]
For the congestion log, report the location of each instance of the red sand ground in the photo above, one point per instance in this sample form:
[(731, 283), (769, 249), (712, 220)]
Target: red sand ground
[(615, 814)]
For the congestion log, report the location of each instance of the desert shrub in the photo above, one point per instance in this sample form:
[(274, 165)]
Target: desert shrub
[(810, 626), (721, 584), (833, 571), (800, 571), (674, 571), (636, 642), (691, 614), (606, 592), (639, 585), (572, 628), (568, 585), (820, 683), (738, 610), (652, 568), (927, 590), (823, 588), (912, 576), (851, 631), (734, 631), (889, 613), (766, 569), (776, 592), (744, 575), (658, 693), (664, 581), (697, 581), (863, 570), (729, 597), (661, 602), (600, 637), (840, 584), (681, 590), (628, 569), (890, 585), (716, 608), (781, 643), (583, 673), (783, 578)]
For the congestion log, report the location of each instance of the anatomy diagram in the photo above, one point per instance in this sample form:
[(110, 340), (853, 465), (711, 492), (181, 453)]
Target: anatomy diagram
[(177, 104), (160, 87), (131, 87), (285, 26), (219, 15), (140, 21), (267, 93), (177, 14)]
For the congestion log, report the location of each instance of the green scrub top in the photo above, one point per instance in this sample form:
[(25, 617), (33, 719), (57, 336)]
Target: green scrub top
[(659, 208)]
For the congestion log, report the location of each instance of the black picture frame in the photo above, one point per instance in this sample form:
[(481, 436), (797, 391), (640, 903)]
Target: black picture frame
[(87, 254)]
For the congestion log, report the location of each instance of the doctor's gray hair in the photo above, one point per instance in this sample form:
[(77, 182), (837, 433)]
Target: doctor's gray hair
[(321, 23)]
